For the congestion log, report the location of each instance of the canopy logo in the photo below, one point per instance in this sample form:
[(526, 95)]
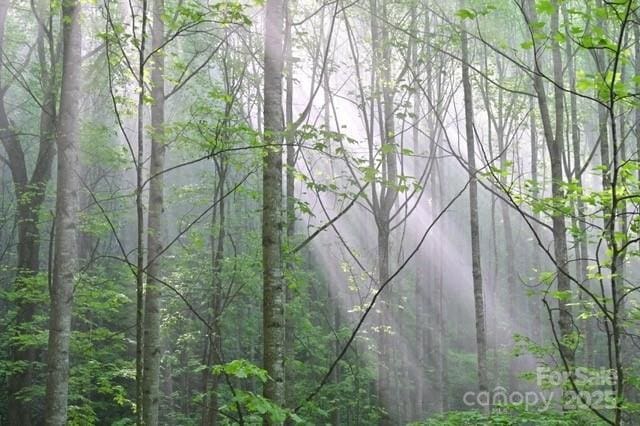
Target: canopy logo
[(594, 391)]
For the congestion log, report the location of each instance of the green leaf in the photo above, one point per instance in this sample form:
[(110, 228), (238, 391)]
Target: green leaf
[(526, 44), (545, 7), (547, 277), (465, 14), (561, 295), (559, 37), (406, 151), (387, 148), (242, 369)]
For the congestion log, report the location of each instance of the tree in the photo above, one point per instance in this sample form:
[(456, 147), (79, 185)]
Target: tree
[(66, 251), (272, 219), (478, 291), (554, 142), (369, 313), (30, 196), (152, 351)]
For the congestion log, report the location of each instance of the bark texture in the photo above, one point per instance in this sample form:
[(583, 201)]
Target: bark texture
[(66, 251), (151, 346), (478, 292), (272, 215)]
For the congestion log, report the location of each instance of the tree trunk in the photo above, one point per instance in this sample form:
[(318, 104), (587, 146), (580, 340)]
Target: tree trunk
[(65, 258), (481, 339), (418, 406), (140, 266), (384, 391), (442, 325), (387, 197), (578, 221), (272, 220), (152, 354), (334, 294), (534, 307), (210, 409), (554, 146), (290, 206)]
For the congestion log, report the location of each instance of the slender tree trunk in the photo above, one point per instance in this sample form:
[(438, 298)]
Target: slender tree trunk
[(534, 307), (442, 326), (420, 272), (66, 253), (420, 332), (554, 146), (290, 204), (167, 386), (217, 254), (492, 288), (435, 296), (511, 286), (274, 292), (152, 353), (334, 294), (481, 338), (140, 267), (387, 197), (384, 385), (559, 228), (581, 248)]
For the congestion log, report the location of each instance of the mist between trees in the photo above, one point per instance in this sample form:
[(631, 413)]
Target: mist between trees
[(319, 212)]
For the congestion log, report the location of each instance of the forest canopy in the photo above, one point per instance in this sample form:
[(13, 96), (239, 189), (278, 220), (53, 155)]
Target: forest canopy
[(319, 212)]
